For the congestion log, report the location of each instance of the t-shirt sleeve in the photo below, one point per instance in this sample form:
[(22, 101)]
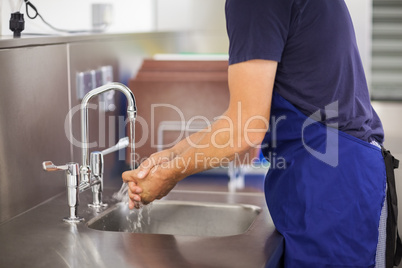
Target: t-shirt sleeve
[(257, 29)]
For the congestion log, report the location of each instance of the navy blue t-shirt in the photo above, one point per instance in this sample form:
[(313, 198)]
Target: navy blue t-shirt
[(314, 43)]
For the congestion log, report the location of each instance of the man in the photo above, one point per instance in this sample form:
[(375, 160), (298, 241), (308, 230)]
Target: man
[(296, 62)]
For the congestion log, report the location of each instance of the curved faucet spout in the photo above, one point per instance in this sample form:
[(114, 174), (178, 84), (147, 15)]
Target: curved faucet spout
[(131, 114), (131, 106)]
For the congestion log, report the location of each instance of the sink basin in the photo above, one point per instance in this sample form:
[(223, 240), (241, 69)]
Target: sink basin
[(178, 218)]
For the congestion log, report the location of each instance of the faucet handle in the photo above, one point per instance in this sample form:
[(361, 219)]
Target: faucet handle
[(49, 166), (121, 144), (71, 168)]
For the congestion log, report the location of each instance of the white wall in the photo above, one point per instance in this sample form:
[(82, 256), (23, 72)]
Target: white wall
[(129, 15), (195, 15), (1, 16), (362, 12)]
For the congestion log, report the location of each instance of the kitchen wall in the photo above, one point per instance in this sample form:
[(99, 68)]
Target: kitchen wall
[(362, 12), (1, 17), (129, 15)]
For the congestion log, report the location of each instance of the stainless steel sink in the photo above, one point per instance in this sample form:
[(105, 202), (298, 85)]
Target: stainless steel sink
[(178, 218)]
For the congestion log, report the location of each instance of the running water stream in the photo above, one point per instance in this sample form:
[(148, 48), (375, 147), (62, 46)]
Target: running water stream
[(122, 194), (131, 138)]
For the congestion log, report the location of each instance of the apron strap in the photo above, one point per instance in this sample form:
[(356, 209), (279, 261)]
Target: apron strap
[(393, 241)]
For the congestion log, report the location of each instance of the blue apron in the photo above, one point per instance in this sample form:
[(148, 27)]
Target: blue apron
[(324, 190)]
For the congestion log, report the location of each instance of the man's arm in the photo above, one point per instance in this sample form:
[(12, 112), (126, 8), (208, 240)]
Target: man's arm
[(240, 128)]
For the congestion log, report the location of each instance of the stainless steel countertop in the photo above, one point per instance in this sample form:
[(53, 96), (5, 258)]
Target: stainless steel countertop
[(39, 238)]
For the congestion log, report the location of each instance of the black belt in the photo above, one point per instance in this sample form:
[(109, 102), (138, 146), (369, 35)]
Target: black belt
[(393, 242)]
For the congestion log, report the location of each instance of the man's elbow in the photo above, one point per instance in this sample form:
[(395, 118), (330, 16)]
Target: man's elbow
[(252, 140)]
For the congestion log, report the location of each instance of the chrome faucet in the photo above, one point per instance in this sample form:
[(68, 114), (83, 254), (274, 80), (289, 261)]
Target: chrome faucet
[(94, 180), (90, 174)]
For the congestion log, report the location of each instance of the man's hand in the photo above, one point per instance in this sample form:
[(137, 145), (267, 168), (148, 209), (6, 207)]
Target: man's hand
[(141, 172), (157, 183)]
